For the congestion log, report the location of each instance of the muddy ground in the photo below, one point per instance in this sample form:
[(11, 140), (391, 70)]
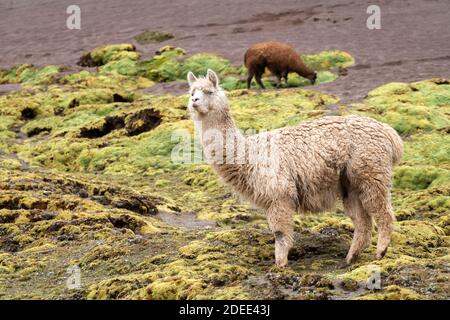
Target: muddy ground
[(413, 43)]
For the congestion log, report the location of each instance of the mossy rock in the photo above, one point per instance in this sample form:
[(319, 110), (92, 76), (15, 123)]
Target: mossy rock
[(328, 60), (420, 177), (392, 293), (29, 75), (102, 55), (149, 36)]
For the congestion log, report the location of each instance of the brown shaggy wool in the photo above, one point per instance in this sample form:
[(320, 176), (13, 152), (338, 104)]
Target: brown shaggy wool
[(306, 167), (280, 58)]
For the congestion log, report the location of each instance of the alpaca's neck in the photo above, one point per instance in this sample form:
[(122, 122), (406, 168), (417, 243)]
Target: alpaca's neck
[(225, 148), (219, 136), (236, 158), (302, 70), (221, 121)]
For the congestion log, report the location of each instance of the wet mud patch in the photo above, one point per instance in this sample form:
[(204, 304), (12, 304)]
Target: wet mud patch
[(185, 220), (8, 88), (288, 284), (177, 88)]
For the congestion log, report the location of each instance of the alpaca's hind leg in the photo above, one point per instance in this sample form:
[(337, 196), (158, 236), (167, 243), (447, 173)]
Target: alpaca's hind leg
[(375, 198), (362, 223), (258, 76), (280, 219), (285, 76), (249, 78)]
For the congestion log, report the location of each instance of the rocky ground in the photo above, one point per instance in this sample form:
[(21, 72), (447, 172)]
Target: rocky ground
[(86, 139)]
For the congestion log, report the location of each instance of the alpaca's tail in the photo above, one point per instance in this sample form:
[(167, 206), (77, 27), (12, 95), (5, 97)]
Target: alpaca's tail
[(397, 144)]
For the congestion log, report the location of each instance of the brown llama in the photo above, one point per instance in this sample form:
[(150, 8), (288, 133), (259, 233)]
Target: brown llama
[(280, 58)]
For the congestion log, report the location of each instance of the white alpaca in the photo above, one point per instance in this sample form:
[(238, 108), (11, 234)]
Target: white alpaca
[(303, 168)]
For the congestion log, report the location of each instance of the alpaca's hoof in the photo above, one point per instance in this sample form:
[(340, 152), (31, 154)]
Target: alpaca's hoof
[(281, 263), (381, 254)]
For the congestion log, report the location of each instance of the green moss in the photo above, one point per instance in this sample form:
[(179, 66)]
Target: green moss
[(147, 37), (29, 75), (233, 83), (282, 108), (444, 221), (110, 78), (344, 225), (116, 288), (170, 65), (417, 238), (125, 66), (430, 148), (327, 60), (10, 164), (102, 55), (393, 88), (238, 82), (200, 63), (175, 280), (392, 293), (410, 108), (429, 203), (420, 177), (164, 66)]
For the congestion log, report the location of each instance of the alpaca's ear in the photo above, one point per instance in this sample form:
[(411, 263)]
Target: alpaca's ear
[(212, 76), (191, 78)]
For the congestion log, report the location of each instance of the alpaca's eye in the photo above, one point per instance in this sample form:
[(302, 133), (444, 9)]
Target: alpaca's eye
[(209, 92)]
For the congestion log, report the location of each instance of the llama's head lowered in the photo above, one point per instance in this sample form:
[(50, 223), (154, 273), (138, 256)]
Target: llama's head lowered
[(207, 98), (312, 77)]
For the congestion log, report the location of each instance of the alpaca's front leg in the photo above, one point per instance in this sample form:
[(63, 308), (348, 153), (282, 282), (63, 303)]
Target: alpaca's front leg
[(283, 243), (280, 219)]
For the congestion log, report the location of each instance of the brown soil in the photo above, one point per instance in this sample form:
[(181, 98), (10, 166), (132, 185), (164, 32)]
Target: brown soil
[(413, 43)]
